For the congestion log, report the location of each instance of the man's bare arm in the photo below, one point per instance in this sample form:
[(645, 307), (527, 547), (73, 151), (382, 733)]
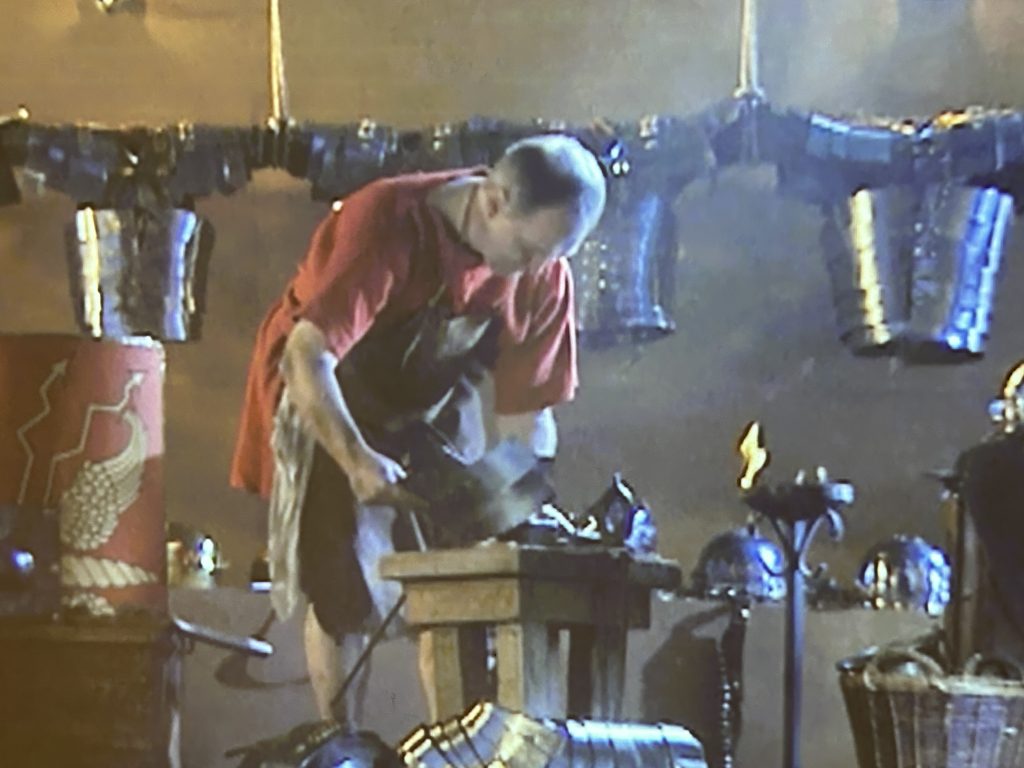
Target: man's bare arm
[(537, 429), (308, 368)]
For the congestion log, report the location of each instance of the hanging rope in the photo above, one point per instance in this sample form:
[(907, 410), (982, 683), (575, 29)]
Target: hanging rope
[(748, 82), (278, 84)]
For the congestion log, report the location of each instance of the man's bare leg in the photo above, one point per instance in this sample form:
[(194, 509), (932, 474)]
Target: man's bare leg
[(328, 664), (425, 646)]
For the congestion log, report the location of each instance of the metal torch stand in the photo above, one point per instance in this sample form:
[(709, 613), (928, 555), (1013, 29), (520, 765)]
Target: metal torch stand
[(730, 649), (796, 512)]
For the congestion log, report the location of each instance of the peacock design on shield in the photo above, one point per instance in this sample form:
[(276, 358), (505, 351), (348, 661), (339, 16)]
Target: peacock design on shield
[(92, 506)]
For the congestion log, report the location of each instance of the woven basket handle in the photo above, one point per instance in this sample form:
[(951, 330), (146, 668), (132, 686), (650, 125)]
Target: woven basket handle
[(996, 665), (873, 674)]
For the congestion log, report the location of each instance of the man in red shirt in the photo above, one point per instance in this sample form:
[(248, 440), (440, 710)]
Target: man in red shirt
[(487, 246)]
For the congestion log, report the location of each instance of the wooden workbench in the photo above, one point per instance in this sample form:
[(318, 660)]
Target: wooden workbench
[(532, 596)]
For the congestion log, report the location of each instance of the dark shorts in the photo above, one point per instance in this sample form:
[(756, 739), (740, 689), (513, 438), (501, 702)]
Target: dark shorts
[(329, 571)]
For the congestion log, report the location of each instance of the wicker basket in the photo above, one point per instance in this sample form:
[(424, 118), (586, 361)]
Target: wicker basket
[(907, 712)]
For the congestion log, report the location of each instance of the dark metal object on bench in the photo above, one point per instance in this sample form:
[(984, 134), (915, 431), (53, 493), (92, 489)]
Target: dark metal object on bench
[(466, 503)]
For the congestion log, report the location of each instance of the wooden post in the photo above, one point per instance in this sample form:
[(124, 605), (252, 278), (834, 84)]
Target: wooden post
[(962, 617)]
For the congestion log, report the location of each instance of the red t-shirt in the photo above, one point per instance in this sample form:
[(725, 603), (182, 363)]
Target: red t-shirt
[(379, 259)]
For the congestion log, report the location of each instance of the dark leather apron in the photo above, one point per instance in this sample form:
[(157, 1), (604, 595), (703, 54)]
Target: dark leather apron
[(412, 389), (417, 382)]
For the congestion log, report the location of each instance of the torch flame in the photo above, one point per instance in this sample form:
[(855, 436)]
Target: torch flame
[(1013, 381), (755, 456), (1013, 402)]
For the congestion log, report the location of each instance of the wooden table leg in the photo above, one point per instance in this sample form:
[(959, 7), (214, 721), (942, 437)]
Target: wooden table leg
[(597, 671), (451, 661), (528, 666), (581, 681), (609, 672)]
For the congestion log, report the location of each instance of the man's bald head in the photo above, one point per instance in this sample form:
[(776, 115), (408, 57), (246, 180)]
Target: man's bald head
[(552, 171)]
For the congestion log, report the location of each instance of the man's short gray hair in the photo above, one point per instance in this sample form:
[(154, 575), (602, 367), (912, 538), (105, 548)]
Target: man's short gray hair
[(553, 171)]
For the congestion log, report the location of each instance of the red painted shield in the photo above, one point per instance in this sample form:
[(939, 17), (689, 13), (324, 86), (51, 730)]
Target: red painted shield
[(81, 431)]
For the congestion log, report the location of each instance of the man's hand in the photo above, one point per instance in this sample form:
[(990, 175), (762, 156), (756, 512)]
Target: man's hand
[(374, 478), (308, 370)]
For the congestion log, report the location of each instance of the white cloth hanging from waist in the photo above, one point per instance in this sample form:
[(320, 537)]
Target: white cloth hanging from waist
[(293, 449)]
